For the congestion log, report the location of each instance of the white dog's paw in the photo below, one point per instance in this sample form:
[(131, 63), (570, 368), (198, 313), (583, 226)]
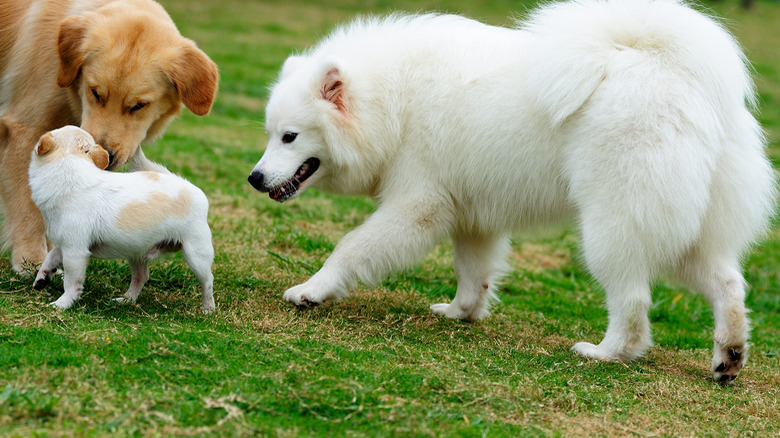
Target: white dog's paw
[(302, 296), (208, 306), (63, 302), (124, 300), (593, 351), (453, 311), (728, 362)]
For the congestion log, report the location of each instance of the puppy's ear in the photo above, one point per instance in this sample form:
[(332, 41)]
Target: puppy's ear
[(196, 78), (99, 156), (45, 145), (333, 87), (73, 31)]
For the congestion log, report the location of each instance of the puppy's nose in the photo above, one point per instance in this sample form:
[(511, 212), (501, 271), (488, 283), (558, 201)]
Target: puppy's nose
[(256, 179)]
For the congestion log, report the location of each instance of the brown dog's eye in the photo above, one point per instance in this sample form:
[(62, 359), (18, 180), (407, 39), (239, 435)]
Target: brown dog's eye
[(96, 95), (138, 106)]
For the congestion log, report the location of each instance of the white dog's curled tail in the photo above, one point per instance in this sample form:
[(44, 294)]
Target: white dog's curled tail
[(575, 44)]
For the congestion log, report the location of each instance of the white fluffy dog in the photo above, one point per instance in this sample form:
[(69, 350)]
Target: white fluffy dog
[(90, 212), (631, 116)]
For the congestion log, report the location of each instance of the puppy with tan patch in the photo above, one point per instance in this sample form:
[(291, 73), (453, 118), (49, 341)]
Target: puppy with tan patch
[(118, 68), (93, 213)]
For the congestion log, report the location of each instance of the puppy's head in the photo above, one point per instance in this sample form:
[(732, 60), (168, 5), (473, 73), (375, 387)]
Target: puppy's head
[(69, 141), (130, 71), (311, 130)]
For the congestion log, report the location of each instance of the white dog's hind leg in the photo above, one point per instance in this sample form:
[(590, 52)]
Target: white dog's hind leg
[(49, 267), (478, 260), (199, 255), (628, 331), (140, 269), (394, 237), (723, 285), (74, 264)]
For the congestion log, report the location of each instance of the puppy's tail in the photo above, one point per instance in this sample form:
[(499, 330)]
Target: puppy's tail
[(574, 46)]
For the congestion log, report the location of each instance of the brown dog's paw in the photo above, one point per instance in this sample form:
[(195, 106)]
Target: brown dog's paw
[(730, 365)]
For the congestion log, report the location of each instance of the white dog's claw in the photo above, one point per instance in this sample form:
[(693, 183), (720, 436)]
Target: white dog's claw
[(123, 300), (63, 303), (587, 349)]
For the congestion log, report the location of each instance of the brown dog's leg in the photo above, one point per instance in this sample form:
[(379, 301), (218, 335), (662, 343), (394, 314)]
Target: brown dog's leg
[(23, 227)]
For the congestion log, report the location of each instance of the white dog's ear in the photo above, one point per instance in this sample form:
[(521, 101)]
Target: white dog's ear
[(333, 84), (45, 144), (292, 64), (69, 47)]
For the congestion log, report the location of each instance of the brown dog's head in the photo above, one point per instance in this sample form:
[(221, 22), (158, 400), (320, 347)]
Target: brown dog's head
[(69, 140), (131, 71)]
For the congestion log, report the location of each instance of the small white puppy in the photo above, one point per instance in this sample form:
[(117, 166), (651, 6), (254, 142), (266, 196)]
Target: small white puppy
[(90, 212)]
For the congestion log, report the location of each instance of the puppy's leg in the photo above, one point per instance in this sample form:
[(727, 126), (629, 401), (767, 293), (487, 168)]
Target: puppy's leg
[(23, 227), (49, 267), (75, 266), (478, 260), (721, 282), (140, 268), (395, 236), (199, 255)]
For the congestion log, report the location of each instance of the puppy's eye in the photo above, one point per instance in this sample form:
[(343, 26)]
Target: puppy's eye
[(289, 137), (138, 106), (96, 95)]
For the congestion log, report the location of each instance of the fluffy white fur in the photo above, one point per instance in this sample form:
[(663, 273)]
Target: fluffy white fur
[(90, 212), (630, 116)]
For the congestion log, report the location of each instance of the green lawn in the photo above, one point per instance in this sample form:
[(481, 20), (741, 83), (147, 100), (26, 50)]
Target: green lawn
[(377, 363)]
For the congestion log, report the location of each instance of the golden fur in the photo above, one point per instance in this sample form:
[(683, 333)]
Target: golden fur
[(118, 68)]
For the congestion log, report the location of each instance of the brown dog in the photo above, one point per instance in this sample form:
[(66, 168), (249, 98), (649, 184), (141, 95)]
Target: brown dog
[(118, 68)]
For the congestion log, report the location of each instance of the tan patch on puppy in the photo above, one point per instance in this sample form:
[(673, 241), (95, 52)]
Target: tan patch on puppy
[(141, 215), (154, 176)]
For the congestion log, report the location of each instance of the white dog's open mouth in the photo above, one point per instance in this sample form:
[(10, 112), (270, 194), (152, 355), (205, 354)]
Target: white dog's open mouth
[(290, 187)]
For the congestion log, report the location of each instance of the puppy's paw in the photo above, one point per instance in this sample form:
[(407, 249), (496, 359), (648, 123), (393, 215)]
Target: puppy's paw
[(727, 362), (594, 352), (41, 281), (124, 300), (64, 302)]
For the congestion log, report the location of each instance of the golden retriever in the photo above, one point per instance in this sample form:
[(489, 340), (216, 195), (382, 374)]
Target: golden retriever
[(118, 68)]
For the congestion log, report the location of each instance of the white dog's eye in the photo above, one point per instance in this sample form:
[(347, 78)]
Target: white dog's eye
[(289, 137)]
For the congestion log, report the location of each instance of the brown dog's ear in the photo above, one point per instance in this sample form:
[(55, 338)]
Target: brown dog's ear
[(196, 77), (99, 156), (46, 144), (69, 45)]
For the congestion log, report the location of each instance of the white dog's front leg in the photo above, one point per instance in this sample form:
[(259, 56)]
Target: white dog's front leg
[(395, 236), (48, 268), (479, 260), (75, 266)]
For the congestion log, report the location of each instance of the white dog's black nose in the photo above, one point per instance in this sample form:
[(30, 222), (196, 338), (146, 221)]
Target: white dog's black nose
[(256, 179)]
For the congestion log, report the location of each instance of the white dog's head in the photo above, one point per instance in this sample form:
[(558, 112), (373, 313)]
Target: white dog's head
[(68, 141), (307, 117)]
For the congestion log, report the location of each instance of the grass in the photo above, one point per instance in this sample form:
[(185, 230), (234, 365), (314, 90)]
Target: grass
[(377, 363)]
